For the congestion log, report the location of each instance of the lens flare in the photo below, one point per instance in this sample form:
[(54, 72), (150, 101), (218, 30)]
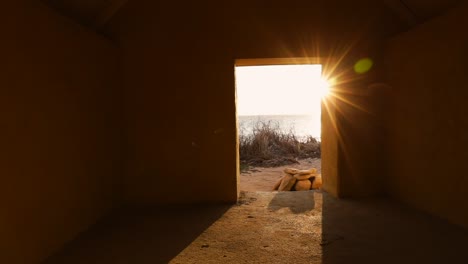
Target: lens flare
[(363, 65)]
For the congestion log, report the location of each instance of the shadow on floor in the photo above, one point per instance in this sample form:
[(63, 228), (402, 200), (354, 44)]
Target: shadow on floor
[(268, 227), (149, 235), (383, 231), (297, 202)]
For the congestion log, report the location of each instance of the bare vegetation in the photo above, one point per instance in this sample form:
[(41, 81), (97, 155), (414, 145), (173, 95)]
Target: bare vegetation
[(268, 146)]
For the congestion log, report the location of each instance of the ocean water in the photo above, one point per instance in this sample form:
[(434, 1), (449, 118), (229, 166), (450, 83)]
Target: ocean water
[(302, 126)]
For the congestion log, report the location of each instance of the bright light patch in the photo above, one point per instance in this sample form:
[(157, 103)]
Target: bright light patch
[(363, 65), (280, 89), (323, 87)]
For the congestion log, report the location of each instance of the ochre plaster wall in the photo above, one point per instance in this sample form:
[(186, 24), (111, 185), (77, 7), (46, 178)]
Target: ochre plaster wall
[(59, 134), (427, 69), (179, 82)]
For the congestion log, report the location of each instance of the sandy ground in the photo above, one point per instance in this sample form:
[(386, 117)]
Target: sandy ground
[(309, 227), (263, 179)]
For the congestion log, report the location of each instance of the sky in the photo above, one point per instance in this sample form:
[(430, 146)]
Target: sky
[(279, 90)]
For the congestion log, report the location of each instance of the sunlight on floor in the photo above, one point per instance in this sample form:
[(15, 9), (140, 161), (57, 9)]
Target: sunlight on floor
[(265, 227)]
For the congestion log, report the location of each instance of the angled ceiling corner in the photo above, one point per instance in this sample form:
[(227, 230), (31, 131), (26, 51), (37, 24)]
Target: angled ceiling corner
[(107, 13), (94, 14), (413, 12), (402, 11)]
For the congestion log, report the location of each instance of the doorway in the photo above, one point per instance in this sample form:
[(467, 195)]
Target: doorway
[(279, 114)]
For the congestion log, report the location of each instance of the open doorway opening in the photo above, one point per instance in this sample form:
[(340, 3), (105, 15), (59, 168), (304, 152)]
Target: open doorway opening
[(279, 122)]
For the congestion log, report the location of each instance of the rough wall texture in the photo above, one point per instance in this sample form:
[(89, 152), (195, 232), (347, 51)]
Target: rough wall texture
[(58, 133), (179, 79), (427, 69)]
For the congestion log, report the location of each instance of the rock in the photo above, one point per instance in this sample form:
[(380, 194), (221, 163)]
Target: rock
[(303, 185), (300, 172), (301, 180), (317, 183), (285, 183)]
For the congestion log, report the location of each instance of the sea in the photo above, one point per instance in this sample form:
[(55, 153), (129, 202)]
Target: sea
[(302, 126)]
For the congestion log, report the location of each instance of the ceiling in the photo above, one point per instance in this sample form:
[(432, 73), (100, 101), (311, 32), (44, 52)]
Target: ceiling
[(96, 14), (414, 12), (90, 13), (425, 9)]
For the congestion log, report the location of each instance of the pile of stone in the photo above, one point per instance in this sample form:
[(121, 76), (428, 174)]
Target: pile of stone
[(299, 180)]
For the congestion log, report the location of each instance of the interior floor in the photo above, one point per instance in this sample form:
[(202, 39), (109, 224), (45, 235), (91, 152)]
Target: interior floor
[(271, 227)]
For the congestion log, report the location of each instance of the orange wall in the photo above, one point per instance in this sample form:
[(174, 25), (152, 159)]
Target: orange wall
[(179, 79), (59, 138), (428, 143)]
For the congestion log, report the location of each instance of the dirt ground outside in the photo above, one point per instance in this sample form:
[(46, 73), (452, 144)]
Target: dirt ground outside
[(263, 179)]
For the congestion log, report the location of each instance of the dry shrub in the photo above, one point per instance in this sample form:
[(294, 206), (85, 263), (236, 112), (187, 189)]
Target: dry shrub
[(268, 146)]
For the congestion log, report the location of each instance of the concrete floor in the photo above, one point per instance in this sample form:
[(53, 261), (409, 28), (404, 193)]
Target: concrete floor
[(270, 227)]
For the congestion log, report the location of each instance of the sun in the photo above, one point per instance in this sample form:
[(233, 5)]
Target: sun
[(323, 87)]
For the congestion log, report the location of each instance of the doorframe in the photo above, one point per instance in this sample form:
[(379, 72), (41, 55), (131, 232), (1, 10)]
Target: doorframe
[(329, 127)]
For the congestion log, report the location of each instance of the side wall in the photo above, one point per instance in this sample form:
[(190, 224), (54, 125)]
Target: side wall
[(180, 87), (59, 138), (428, 143)]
